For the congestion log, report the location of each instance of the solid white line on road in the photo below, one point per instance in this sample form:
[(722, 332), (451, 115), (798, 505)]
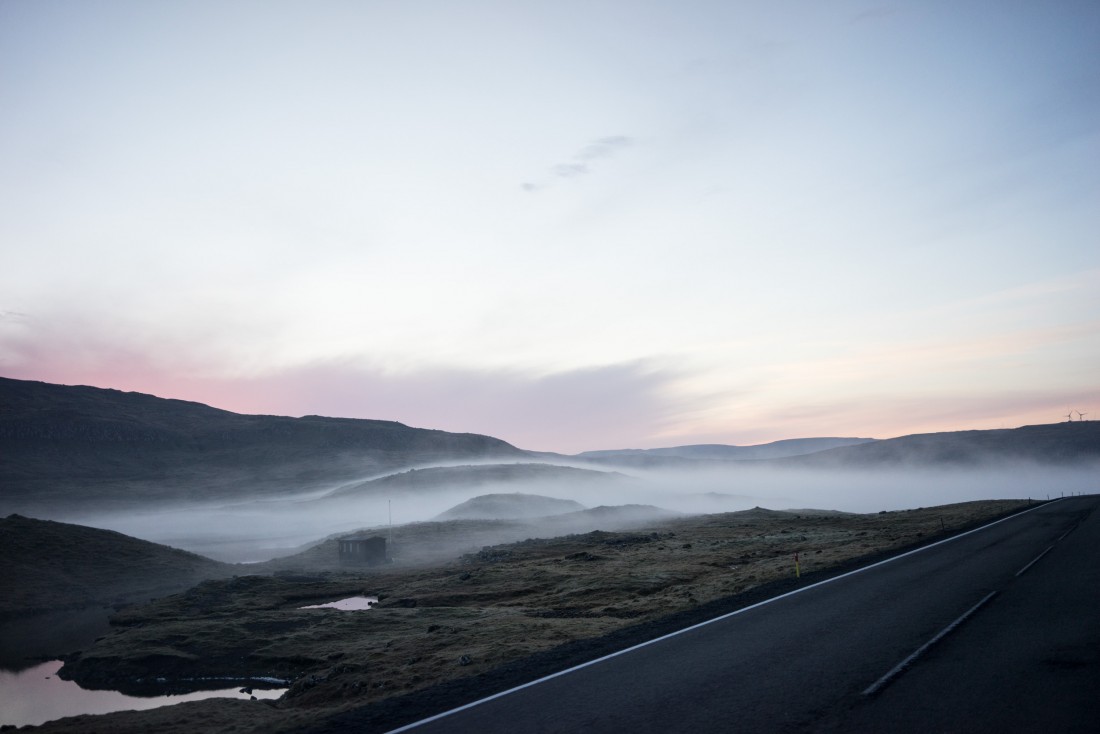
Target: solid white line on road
[(897, 669), (415, 724), (1033, 560)]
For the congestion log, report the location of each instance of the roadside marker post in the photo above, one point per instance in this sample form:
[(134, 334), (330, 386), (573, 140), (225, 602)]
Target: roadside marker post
[(797, 570)]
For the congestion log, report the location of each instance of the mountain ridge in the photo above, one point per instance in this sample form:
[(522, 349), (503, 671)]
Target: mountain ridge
[(76, 448), (1049, 443), (727, 452), (76, 445)]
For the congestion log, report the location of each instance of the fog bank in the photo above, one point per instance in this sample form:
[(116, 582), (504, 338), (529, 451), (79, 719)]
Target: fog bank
[(256, 530)]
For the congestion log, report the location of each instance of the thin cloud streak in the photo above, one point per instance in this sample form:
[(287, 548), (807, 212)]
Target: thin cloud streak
[(582, 162), (642, 404)]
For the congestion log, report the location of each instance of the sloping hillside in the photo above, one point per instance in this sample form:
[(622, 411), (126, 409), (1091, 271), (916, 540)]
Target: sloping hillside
[(711, 455), (509, 506), (724, 452), (419, 543), (73, 446), (51, 565), (476, 476), (1064, 444)]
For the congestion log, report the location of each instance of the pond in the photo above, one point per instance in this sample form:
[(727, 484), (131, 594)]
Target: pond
[(31, 692), (36, 695), (351, 604)]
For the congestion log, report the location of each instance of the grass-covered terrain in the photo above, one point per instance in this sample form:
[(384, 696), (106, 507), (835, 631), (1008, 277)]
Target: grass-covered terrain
[(500, 608), (49, 566)]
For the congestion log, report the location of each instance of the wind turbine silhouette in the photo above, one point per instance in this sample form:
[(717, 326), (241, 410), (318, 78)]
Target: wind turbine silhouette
[(1069, 416), (1081, 416)]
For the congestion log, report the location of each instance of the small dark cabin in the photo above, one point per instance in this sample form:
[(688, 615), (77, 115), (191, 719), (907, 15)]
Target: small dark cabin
[(360, 550)]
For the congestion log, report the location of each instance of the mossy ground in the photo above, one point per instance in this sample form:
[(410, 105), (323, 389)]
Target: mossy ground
[(467, 616)]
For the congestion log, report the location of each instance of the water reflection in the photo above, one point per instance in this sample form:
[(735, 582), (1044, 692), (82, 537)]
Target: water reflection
[(36, 695), (351, 604)]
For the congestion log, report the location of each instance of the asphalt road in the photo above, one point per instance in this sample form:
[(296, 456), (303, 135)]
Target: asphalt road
[(1027, 659)]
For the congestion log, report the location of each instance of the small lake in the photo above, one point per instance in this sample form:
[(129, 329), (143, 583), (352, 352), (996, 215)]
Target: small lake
[(32, 694), (351, 604), (36, 695)]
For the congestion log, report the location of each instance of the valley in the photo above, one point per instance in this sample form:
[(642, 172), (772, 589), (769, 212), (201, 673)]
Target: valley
[(505, 610), (204, 536)]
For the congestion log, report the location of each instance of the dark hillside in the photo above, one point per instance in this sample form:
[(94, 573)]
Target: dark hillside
[(88, 446), (509, 506), (51, 565), (710, 456), (724, 452), (1063, 444)]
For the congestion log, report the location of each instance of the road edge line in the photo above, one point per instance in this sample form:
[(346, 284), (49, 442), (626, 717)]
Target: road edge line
[(632, 648)]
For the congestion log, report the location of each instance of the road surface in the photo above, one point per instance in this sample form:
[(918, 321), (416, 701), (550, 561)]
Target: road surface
[(1014, 610)]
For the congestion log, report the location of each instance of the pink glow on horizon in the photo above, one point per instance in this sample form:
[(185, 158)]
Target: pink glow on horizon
[(538, 414)]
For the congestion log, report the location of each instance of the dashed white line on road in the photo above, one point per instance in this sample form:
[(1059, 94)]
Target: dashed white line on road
[(900, 667), (1033, 560)]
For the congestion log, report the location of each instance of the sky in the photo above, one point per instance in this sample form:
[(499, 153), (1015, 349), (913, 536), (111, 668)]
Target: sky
[(570, 225)]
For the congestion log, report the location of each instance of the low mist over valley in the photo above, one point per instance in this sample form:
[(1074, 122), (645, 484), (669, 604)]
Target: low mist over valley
[(251, 488), (662, 366), (179, 545)]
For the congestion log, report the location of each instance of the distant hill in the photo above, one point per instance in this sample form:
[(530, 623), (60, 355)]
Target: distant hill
[(73, 446), (438, 540), (475, 476), (724, 452), (51, 565), (696, 455), (614, 517), (1063, 444), (509, 506), (614, 460)]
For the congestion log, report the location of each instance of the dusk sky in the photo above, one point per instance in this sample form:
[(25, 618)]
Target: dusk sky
[(570, 225)]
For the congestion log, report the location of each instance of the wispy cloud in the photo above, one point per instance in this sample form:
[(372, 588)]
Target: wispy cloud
[(581, 163), (604, 147), (570, 170)]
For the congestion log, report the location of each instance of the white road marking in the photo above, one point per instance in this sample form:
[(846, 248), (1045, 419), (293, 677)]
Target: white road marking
[(877, 685), (1036, 558), (415, 724)]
